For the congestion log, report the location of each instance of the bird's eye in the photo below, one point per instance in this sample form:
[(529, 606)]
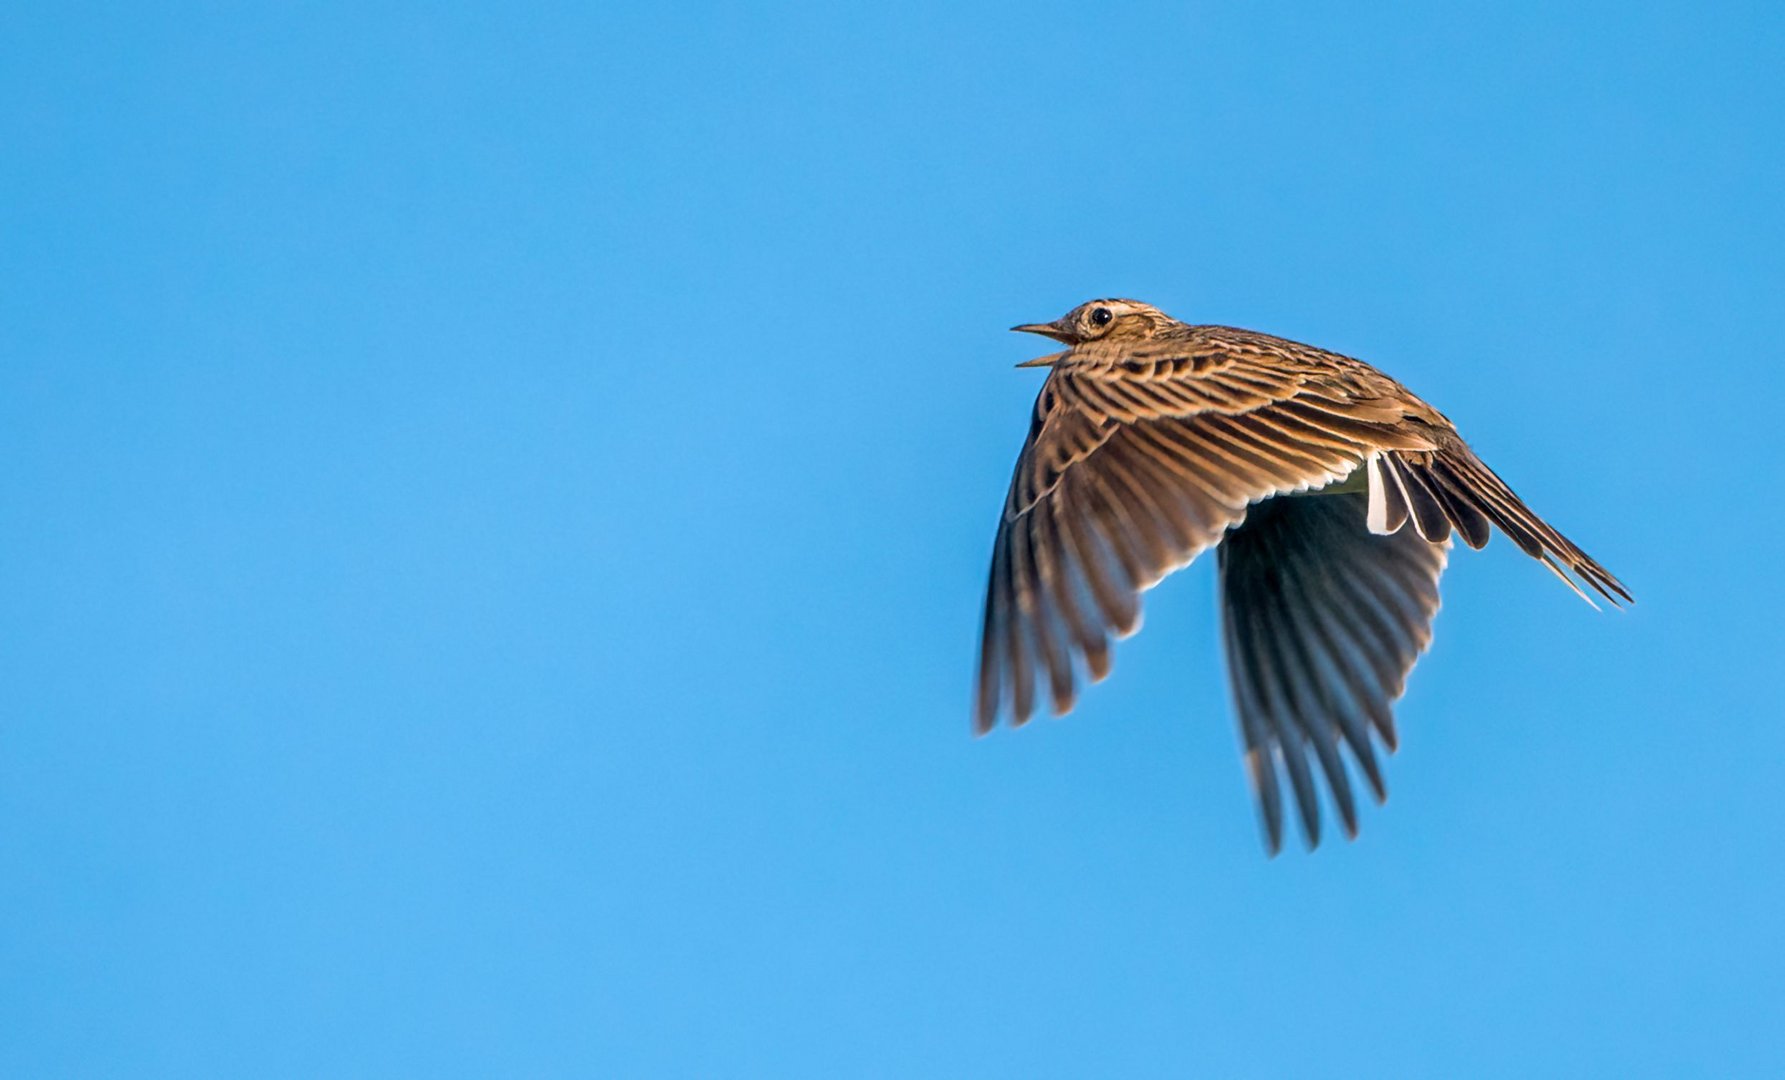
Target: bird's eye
[(1101, 316)]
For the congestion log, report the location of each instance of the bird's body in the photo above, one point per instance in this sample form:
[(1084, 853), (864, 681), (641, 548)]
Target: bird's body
[(1330, 489)]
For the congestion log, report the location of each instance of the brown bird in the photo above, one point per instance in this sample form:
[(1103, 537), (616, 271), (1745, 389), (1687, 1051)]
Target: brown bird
[(1331, 490)]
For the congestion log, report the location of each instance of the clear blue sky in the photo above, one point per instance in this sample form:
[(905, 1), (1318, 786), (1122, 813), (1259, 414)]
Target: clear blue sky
[(494, 506)]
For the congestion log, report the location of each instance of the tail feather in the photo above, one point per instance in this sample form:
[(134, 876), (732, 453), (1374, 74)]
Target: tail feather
[(1450, 488)]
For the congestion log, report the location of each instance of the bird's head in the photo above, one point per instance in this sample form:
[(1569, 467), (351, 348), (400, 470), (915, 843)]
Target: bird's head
[(1103, 320)]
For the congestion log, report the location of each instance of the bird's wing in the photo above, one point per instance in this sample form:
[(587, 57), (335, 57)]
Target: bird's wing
[(1322, 620), (1137, 462)]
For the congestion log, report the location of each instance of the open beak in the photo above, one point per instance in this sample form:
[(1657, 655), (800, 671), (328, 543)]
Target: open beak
[(1045, 329)]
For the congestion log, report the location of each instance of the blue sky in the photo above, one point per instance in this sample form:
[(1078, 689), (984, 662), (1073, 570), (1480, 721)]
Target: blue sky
[(495, 503)]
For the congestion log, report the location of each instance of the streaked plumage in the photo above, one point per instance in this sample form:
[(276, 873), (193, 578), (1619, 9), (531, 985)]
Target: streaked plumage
[(1332, 492)]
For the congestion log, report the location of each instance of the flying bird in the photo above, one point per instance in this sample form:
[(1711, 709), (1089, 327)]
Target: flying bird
[(1329, 491)]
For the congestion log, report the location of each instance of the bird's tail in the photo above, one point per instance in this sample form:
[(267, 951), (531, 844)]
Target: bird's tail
[(1450, 488)]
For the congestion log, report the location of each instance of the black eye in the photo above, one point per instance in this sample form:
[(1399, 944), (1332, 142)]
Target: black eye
[(1101, 316)]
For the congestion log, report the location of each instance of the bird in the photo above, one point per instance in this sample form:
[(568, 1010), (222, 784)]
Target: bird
[(1329, 491)]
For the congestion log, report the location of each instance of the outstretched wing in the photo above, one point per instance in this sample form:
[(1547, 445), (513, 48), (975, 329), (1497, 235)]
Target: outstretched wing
[(1322, 621), (1137, 462)]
